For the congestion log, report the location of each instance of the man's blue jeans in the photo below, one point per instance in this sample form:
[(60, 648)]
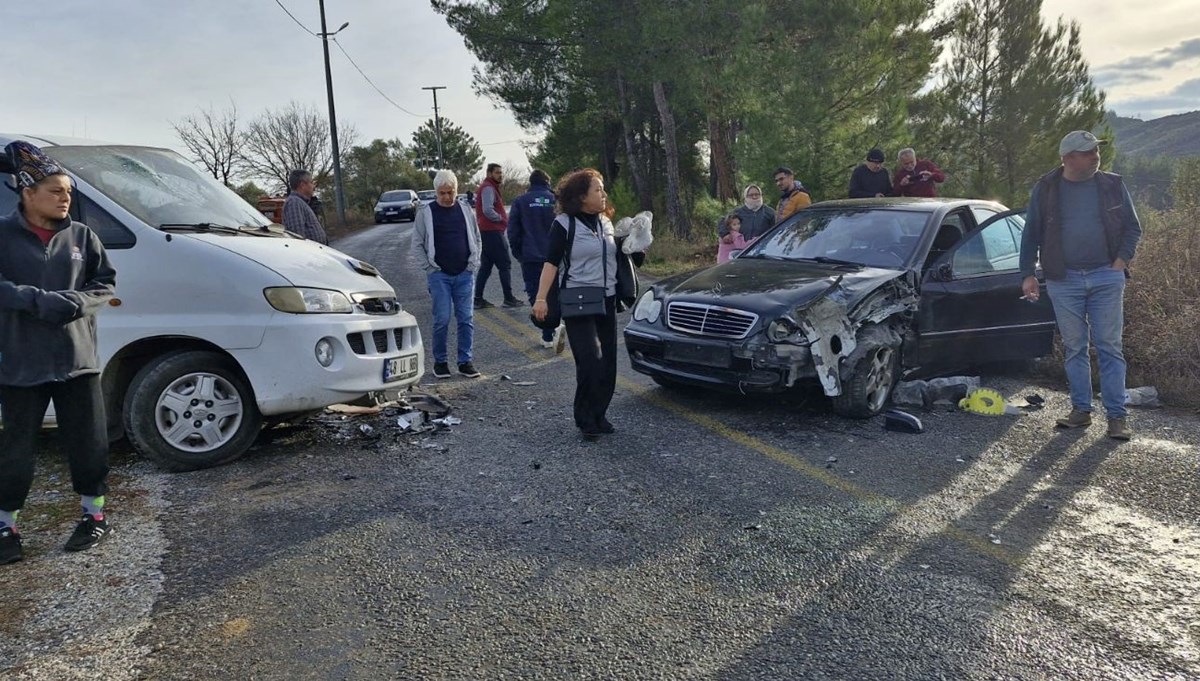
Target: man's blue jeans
[(455, 291), (1092, 300)]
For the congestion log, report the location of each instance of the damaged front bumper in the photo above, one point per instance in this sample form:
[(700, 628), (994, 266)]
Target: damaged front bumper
[(752, 365)]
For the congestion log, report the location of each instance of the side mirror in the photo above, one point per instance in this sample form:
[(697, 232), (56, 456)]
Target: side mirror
[(735, 253), (943, 272)]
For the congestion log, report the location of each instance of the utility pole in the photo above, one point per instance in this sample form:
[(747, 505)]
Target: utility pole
[(437, 121), (339, 196)]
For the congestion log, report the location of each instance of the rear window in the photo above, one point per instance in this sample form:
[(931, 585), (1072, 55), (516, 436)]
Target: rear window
[(401, 195)]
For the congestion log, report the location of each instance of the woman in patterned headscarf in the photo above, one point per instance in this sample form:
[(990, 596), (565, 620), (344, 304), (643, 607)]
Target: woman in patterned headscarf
[(54, 278)]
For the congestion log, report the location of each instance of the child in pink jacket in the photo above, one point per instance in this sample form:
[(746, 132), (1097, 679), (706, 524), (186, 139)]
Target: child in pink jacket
[(734, 241)]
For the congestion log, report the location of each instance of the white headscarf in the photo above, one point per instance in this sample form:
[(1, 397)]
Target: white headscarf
[(752, 204)]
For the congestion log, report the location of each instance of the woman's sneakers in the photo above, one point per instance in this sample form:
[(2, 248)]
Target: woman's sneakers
[(88, 533), (10, 546)]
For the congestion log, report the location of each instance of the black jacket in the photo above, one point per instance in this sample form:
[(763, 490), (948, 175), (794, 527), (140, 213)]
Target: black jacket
[(49, 297)]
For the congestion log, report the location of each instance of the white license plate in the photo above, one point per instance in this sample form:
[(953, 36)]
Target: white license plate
[(400, 368)]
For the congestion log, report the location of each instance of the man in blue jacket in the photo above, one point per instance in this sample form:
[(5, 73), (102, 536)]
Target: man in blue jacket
[(54, 278), (528, 234)]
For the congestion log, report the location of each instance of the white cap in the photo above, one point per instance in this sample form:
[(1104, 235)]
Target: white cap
[(1078, 140)]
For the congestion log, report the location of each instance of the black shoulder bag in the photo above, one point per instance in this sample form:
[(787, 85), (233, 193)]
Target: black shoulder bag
[(580, 301)]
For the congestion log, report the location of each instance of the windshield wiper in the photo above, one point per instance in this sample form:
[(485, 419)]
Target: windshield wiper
[(198, 227), (834, 261)]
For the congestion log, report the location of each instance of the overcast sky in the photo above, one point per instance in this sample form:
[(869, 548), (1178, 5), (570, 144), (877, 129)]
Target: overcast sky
[(122, 70)]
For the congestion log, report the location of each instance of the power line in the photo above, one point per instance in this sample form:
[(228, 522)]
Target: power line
[(277, 2), (370, 82)]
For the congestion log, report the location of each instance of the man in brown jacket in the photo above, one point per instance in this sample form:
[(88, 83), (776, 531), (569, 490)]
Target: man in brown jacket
[(793, 195)]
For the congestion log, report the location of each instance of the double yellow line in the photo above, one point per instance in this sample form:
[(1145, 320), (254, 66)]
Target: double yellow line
[(522, 338)]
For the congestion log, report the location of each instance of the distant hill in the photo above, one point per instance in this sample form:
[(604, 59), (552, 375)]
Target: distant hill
[(1174, 136)]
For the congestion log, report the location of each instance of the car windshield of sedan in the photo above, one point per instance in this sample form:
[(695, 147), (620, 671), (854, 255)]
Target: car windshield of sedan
[(873, 238), (396, 196)]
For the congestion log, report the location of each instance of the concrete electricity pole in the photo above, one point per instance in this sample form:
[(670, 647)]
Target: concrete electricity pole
[(437, 121), (338, 194)]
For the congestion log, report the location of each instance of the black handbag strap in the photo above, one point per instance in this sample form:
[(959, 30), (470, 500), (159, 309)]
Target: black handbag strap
[(571, 244)]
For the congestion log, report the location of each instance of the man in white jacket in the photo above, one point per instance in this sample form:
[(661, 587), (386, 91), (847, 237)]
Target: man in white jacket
[(446, 244)]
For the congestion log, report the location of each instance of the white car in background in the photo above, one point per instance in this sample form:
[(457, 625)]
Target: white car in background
[(221, 318)]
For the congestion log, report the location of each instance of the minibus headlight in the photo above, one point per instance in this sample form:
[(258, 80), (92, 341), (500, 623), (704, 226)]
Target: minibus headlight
[(308, 300)]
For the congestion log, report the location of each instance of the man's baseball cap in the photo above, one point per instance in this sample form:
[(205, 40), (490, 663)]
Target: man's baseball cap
[(1078, 140), (875, 156)]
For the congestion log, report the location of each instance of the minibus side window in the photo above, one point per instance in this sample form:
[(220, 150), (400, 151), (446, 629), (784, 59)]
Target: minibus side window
[(112, 234)]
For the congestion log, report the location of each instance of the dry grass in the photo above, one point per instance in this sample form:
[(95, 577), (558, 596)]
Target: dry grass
[(1162, 307), (670, 254)]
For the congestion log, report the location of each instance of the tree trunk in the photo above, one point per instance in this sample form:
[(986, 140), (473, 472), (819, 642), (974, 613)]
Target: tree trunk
[(675, 213), (635, 171), (720, 142)]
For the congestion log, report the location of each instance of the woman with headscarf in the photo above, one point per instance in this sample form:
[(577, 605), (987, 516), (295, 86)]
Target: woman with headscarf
[(590, 259), (756, 216), (54, 278)]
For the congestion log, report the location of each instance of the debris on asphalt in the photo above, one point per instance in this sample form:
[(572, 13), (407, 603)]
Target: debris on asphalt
[(995, 539), (411, 413), (945, 391), (524, 383), (1145, 396), (1032, 401), (902, 422), (447, 421), (353, 409), (984, 401), (366, 429), (832, 459)]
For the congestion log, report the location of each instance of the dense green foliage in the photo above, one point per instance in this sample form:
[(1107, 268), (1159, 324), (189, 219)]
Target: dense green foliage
[(460, 152), (378, 167)]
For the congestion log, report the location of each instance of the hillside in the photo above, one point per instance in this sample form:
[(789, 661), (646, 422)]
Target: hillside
[(1175, 136)]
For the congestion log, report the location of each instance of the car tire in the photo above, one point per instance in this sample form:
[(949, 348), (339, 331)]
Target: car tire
[(168, 389), (870, 386)]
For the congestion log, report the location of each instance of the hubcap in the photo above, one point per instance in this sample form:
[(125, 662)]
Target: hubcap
[(198, 412), (879, 377)]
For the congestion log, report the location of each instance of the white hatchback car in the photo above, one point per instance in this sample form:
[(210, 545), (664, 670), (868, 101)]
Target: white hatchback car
[(221, 318)]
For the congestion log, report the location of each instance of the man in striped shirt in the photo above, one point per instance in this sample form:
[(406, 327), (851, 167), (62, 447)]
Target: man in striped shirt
[(298, 217)]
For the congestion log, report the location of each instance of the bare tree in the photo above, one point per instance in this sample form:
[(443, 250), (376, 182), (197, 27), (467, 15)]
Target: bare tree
[(295, 136), (212, 137)]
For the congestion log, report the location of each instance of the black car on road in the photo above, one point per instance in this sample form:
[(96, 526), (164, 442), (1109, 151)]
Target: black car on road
[(398, 204), (853, 294)]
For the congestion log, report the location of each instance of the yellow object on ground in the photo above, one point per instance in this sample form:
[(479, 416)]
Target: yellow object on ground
[(983, 401)]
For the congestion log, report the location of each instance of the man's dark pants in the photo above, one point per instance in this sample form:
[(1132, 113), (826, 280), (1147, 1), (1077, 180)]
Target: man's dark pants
[(494, 252), (82, 434), (531, 272)]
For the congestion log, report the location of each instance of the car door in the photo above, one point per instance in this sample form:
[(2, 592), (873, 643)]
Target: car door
[(971, 307)]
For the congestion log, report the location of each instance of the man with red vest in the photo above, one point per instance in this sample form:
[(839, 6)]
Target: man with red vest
[(493, 224)]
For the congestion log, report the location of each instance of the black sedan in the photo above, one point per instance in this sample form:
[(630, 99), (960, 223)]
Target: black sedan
[(398, 204), (853, 294)]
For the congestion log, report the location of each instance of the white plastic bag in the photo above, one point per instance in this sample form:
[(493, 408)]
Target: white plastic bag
[(639, 234)]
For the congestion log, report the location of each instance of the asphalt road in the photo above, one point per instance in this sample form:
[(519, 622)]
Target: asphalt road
[(711, 537)]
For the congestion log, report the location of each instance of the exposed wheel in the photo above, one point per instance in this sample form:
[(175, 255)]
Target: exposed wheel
[(871, 384), (191, 410)]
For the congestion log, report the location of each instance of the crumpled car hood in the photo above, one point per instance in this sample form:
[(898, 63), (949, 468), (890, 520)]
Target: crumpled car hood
[(772, 287)]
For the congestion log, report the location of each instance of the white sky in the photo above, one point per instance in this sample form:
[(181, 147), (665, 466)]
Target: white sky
[(122, 70)]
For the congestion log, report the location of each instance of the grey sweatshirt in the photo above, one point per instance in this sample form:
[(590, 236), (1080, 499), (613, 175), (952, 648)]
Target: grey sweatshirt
[(49, 297), (422, 239)]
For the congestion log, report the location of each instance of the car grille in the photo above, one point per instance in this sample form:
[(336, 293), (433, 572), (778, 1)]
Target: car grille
[(384, 341), (380, 306), (710, 320)]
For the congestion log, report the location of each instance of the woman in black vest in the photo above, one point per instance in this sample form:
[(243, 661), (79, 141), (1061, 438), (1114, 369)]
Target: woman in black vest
[(591, 260)]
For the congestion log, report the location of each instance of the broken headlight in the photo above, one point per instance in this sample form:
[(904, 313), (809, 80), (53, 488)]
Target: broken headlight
[(784, 330), (648, 308)]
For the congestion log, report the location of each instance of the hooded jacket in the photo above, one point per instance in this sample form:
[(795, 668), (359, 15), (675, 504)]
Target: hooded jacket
[(49, 297), (530, 222)]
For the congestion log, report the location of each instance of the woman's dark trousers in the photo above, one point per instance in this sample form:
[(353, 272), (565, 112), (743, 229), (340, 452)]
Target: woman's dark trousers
[(594, 344)]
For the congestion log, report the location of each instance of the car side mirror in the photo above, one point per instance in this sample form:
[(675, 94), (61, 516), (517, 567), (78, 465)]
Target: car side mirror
[(735, 253), (943, 272)]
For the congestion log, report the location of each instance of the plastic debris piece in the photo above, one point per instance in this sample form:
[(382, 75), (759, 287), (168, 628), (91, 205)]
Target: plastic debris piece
[(947, 390), (1145, 396), (832, 459), (524, 383), (1035, 399), (447, 421), (352, 409), (902, 422), (365, 429), (983, 401), (505, 377)]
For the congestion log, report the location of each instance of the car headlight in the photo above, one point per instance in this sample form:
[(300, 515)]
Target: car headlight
[(308, 300), (648, 308), (782, 330)]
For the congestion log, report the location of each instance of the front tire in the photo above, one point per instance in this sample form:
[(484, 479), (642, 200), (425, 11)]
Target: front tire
[(870, 386), (191, 410)]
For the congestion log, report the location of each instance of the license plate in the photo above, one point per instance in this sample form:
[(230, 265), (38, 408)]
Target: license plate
[(400, 368), (697, 353)]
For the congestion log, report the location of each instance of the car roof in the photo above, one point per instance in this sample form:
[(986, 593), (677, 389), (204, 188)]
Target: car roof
[(58, 140), (907, 203)]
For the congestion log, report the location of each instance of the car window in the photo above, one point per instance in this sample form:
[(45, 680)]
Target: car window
[(982, 214), (112, 234), (876, 238), (8, 199), (995, 248), (403, 195)]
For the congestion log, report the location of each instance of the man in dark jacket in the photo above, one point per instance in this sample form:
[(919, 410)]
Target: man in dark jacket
[(528, 234), (870, 179), (493, 221), (54, 278), (1082, 226)]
